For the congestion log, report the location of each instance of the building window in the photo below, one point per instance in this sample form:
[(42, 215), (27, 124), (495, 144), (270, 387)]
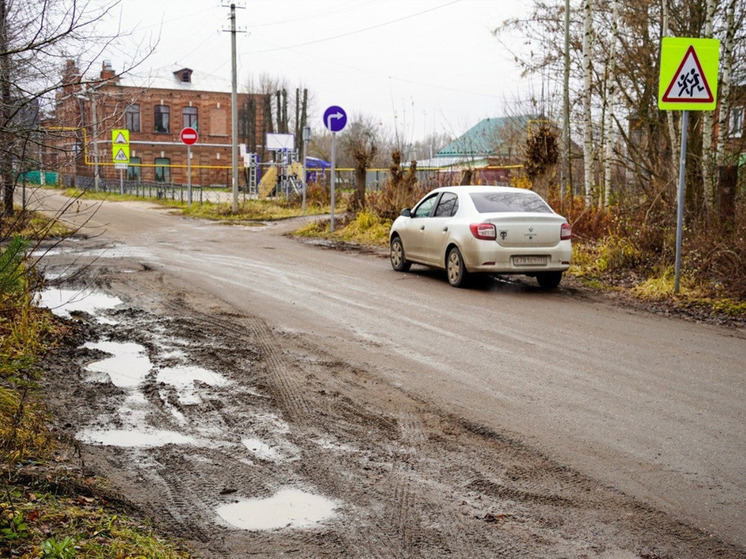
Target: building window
[(162, 169), (132, 118), (218, 122), (189, 117), (735, 126), (162, 117), (134, 171)]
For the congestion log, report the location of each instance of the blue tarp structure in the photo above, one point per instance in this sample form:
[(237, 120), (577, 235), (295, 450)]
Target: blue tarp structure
[(316, 163), (314, 166)]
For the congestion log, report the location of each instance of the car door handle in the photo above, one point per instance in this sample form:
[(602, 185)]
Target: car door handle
[(422, 227), (445, 229)]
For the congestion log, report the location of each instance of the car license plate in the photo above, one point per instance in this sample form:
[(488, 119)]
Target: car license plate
[(530, 260)]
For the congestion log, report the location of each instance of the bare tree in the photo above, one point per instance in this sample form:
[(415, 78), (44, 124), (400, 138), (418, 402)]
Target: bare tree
[(361, 142), (36, 38), (624, 87)]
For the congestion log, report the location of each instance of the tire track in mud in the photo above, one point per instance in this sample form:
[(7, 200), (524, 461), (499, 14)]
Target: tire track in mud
[(254, 331)]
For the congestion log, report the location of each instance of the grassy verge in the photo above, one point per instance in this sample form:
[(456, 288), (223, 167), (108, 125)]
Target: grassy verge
[(366, 228), (248, 210), (47, 510)]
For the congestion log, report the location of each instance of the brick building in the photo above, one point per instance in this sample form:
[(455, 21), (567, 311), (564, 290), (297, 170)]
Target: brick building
[(154, 108)]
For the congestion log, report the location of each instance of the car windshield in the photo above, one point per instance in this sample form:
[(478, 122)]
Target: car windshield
[(492, 202)]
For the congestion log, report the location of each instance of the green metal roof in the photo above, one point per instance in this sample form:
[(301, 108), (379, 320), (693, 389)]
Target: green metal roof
[(485, 137)]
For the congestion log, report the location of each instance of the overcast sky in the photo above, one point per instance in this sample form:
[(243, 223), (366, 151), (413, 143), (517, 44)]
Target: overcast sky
[(416, 66)]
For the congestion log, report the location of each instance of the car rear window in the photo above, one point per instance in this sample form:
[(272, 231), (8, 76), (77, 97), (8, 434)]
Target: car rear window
[(492, 202)]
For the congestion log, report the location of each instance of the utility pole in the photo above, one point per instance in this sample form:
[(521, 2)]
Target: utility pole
[(234, 108), (94, 123)]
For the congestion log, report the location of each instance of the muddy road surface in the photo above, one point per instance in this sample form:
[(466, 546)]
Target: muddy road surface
[(279, 398)]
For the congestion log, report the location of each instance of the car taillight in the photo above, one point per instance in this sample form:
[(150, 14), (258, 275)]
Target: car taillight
[(566, 231), (484, 231)]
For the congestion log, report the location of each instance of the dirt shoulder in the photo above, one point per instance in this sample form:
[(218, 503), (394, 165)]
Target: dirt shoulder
[(250, 414)]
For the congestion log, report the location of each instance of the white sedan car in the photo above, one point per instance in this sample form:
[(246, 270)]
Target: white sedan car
[(483, 230)]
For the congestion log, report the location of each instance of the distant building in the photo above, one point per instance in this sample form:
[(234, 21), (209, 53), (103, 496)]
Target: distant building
[(491, 149), (154, 108)]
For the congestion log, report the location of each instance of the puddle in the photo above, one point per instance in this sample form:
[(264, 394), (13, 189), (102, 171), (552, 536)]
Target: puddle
[(126, 368), (41, 253), (262, 450), (289, 508), (121, 251), (62, 302), (183, 379), (133, 439)]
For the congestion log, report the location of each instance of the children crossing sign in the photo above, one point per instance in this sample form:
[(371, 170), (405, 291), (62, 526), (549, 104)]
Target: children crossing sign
[(120, 148), (689, 74)]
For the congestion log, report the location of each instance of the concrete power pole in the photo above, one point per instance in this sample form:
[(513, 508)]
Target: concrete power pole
[(234, 110), (234, 106)]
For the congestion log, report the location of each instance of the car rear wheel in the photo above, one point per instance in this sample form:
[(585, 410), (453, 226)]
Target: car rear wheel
[(398, 261), (549, 280), (455, 268)]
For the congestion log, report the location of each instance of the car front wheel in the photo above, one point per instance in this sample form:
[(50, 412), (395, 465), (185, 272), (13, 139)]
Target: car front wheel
[(398, 261), (549, 280), (455, 268)]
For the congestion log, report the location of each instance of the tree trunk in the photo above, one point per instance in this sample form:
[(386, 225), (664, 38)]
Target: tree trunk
[(609, 102), (466, 176), (565, 185), (358, 201), (725, 81), (707, 152), (587, 116), (671, 115), (6, 139), (727, 187)]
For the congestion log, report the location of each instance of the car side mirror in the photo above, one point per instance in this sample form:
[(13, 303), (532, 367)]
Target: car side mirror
[(406, 212)]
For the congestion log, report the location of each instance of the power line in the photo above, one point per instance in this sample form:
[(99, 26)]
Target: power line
[(357, 31)]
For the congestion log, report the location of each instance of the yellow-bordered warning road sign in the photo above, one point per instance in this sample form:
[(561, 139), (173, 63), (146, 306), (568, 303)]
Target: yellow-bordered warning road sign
[(689, 74), (120, 146)]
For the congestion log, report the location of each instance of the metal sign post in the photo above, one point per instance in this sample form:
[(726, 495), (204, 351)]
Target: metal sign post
[(335, 119), (189, 136), (189, 175), (306, 139), (680, 206), (688, 68)]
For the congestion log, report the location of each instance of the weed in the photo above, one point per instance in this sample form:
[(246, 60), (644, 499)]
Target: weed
[(53, 549), (14, 526), (11, 266)]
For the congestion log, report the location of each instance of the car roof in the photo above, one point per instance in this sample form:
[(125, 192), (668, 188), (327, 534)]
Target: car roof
[(469, 189)]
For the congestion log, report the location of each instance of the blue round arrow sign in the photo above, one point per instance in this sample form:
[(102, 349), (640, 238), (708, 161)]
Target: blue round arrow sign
[(335, 118)]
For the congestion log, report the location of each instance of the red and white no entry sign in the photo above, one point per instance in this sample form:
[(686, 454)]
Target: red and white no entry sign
[(189, 136)]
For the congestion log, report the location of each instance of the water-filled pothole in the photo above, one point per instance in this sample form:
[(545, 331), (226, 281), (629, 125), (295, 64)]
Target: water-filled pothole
[(288, 508)]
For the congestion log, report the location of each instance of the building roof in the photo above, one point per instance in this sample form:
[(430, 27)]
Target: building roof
[(448, 163), (171, 77), (485, 137)]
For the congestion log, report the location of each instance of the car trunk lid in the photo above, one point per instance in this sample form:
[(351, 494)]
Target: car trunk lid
[(527, 230)]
